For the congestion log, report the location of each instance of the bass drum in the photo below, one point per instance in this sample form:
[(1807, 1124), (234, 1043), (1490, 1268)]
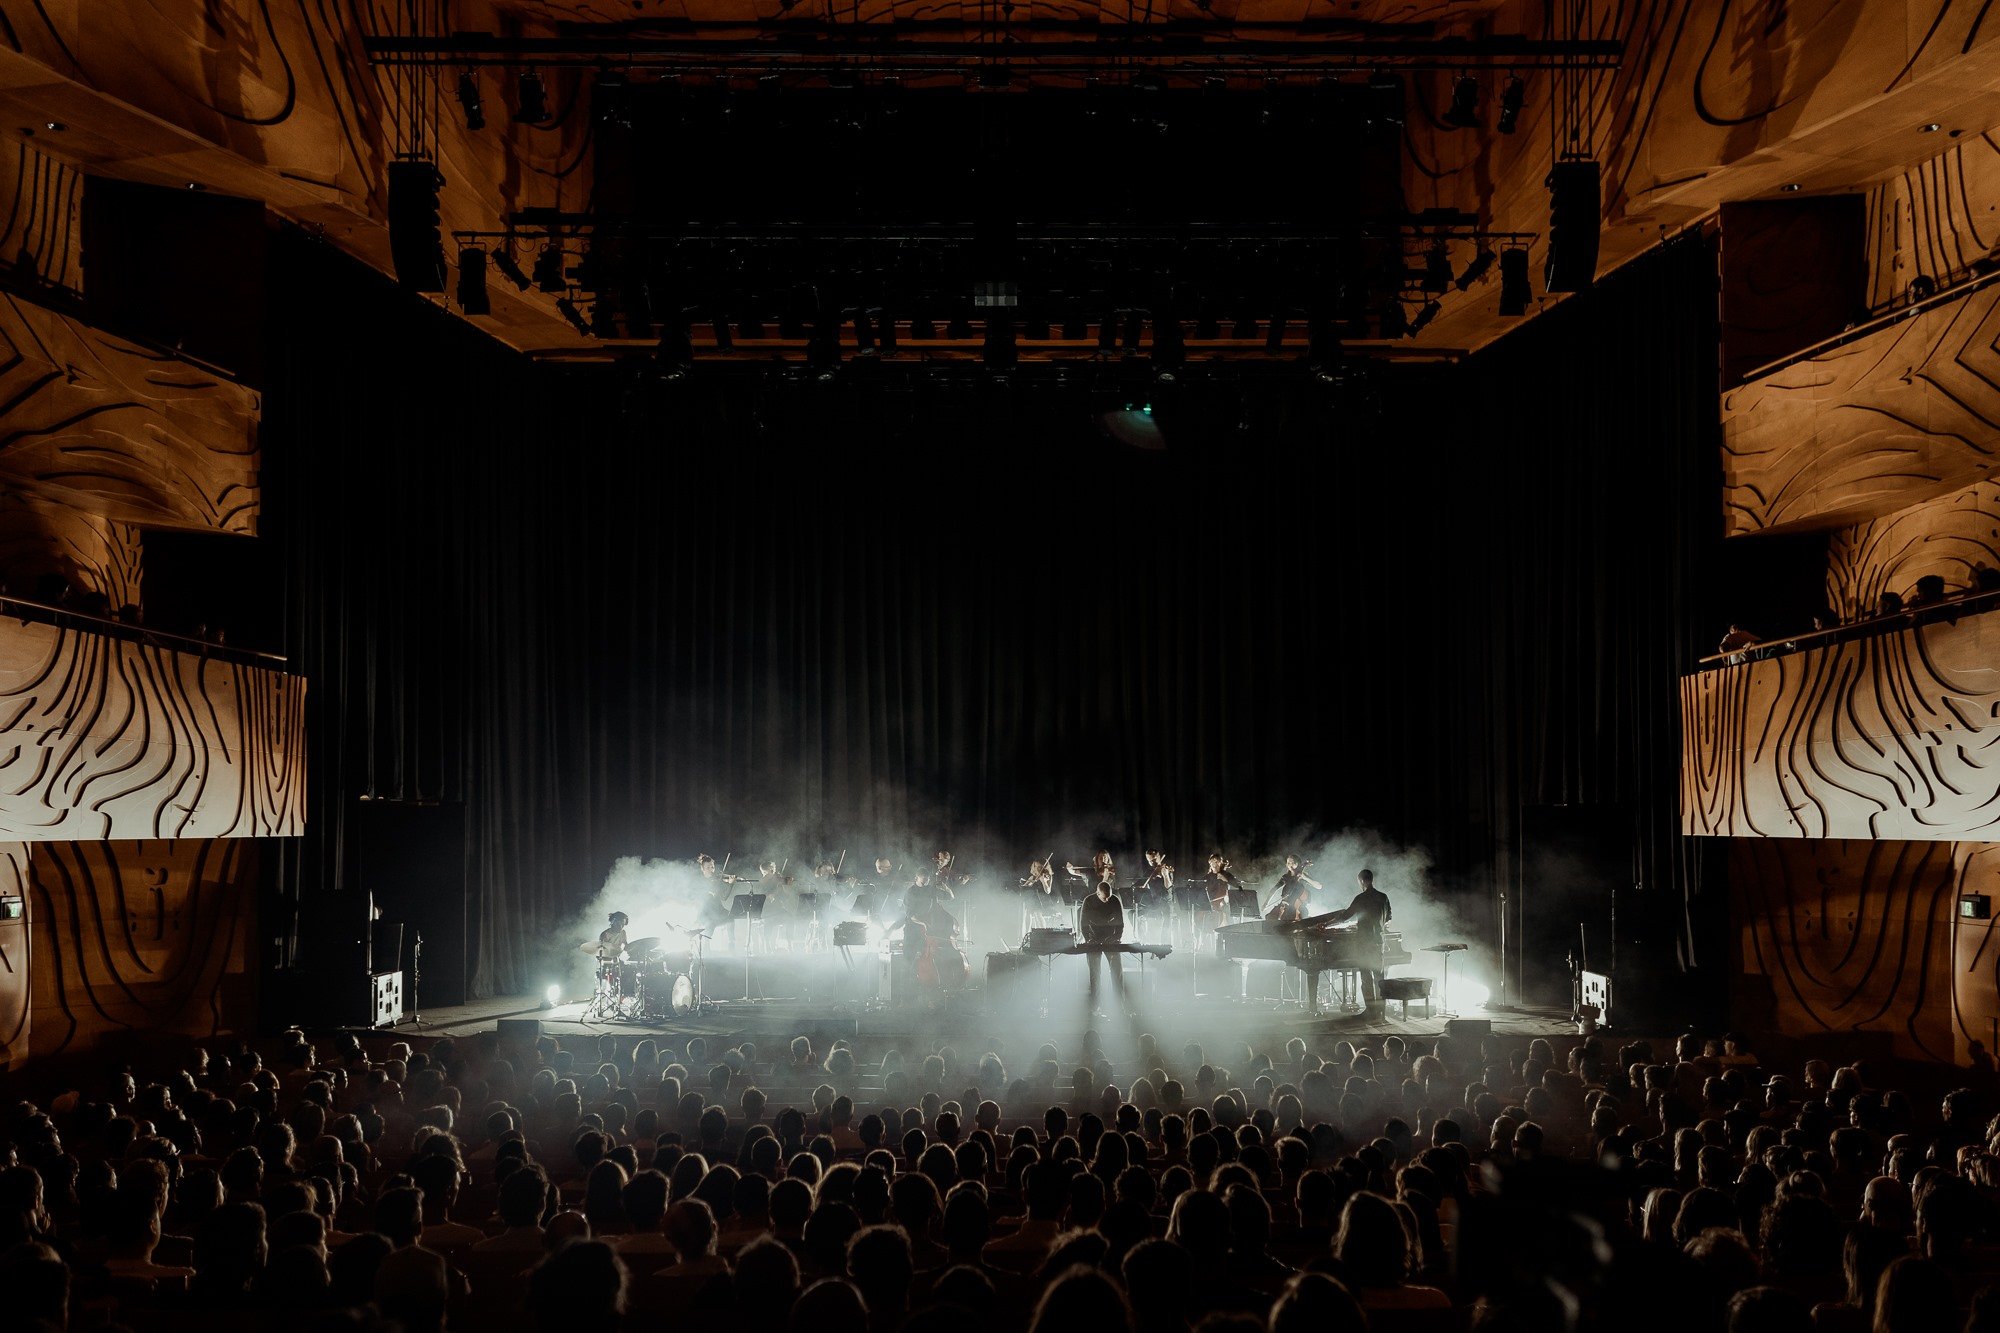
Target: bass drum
[(665, 993)]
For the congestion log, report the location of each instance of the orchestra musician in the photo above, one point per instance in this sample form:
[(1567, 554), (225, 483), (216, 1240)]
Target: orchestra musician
[(1369, 912), (1043, 903), (1294, 892), (1102, 921), (1154, 895), (1219, 880), (715, 906)]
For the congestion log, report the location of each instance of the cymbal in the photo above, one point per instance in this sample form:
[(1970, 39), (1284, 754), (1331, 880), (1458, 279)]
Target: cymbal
[(646, 945), (1445, 948), (592, 946)]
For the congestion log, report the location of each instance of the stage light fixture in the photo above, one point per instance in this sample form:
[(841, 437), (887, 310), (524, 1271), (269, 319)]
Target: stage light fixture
[(1463, 113), (1424, 317), (574, 314), (472, 295), (510, 269), (1481, 265), (1437, 267), (552, 997), (1511, 98), (1385, 99), (531, 101), (1515, 292), (471, 102), (549, 275)]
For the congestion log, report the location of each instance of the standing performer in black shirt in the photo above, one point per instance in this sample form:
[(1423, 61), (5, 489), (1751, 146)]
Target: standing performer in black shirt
[(1369, 912), (1102, 921)]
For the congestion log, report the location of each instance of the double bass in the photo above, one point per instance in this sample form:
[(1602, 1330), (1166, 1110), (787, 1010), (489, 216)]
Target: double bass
[(940, 964)]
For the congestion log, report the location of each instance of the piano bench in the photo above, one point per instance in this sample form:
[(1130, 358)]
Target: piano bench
[(1405, 989)]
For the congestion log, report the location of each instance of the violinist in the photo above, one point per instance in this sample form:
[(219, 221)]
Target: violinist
[(1156, 890), (717, 885), (947, 878), (1043, 903), (1294, 892)]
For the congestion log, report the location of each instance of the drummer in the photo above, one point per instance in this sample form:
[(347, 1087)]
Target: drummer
[(611, 940)]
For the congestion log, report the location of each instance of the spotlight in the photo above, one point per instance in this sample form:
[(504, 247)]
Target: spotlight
[(1463, 113), (1511, 98), (611, 100), (472, 297), (503, 259), (1385, 98), (549, 274), (1481, 265), (469, 99), (1437, 267), (552, 997), (531, 104), (675, 354), (571, 312), (1424, 317), (1514, 290), (1134, 426)]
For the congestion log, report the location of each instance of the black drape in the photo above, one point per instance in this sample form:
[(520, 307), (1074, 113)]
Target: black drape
[(736, 612)]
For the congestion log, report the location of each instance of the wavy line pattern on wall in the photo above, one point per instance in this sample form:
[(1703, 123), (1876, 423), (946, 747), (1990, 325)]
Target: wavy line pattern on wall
[(1946, 537), (140, 938), (105, 738), (1893, 736), (1847, 937)]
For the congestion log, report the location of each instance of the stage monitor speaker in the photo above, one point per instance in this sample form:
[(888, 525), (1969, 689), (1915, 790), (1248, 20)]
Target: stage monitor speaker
[(524, 1030), (1468, 1027), (385, 999), (412, 859), (1575, 212)]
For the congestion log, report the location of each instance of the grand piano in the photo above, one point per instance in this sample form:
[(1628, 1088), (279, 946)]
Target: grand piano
[(1313, 945)]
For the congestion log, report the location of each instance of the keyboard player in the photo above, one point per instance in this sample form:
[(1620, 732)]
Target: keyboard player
[(1369, 912), (1102, 921)]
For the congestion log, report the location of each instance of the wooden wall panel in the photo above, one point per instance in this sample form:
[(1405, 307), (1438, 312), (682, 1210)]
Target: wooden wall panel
[(1976, 953), (1946, 536), (1853, 938), (16, 958), (39, 536), (1892, 736), (106, 738), (1934, 220), (142, 938), (113, 429), (40, 199), (1908, 412)]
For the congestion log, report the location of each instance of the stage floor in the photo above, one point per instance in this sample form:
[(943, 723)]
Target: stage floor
[(1193, 1018)]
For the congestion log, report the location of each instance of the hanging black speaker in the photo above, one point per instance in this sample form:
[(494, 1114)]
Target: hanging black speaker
[(1575, 208), (414, 240)]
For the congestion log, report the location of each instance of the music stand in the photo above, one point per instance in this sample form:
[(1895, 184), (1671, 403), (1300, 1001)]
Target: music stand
[(1243, 905), (864, 906), (747, 907)]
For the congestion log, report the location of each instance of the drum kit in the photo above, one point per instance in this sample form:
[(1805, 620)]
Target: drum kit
[(646, 983)]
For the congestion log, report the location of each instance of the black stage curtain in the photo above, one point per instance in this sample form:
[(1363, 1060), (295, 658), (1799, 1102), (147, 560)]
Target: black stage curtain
[(732, 613)]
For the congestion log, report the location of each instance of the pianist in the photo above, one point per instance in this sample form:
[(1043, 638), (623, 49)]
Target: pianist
[(1369, 912), (1102, 921)]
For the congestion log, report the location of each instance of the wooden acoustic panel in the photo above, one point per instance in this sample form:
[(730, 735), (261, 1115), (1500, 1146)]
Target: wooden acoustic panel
[(41, 537), (1934, 220), (1846, 937), (135, 939), (16, 957), (116, 430), (1946, 537), (1905, 413), (1976, 952), (40, 200), (1892, 736), (102, 737)]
